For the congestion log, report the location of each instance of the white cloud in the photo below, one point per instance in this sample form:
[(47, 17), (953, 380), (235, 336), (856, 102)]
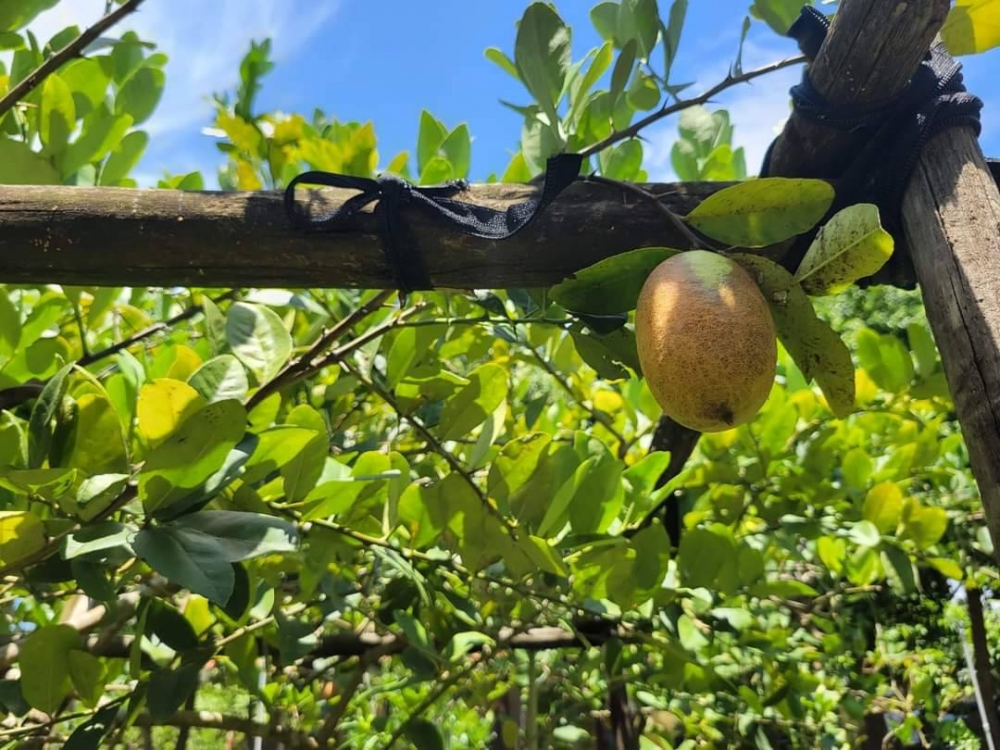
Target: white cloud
[(204, 39), (757, 110)]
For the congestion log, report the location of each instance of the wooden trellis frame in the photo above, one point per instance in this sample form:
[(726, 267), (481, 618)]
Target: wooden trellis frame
[(102, 236)]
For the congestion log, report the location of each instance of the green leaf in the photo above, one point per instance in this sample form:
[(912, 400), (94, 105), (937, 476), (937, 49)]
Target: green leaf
[(611, 285), (140, 94), (622, 162), (762, 212), (638, 20), (15, 14), (643, 93), (883, 506), (817, 350), (924, 525), (475, 402), (86, 672), (972, 26), (898, 569), (239, 536), (21, 535), (88, 81), (19, 165), (90, 735), (498, 57), (947, 567), (866, 534), (457, 147), (542, 55), (259, 339), (886, 359), (123, 158), (609, 353), (101, 132), (190, 559), (924, 349), (429, 139), (191, 454), (436, 172), (169, 688), (57, 117), (598, 494), (778, 14), (583, 84), (518, 170), (852, 245), (43, 484), (708, 559), (10, 325), (857, 468), (786, 589), (45, 680), (98, 537), (672, 35), (832, 552), (219, 379), (604, 16), (622, 72), (165, 622), (43, 413), (424, 735)]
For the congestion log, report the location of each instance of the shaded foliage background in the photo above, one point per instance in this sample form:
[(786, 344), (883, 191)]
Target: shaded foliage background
[(329, 517)]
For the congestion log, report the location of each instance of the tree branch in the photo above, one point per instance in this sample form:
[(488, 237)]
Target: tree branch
[(71, 50), (633, 130), (225, 723)]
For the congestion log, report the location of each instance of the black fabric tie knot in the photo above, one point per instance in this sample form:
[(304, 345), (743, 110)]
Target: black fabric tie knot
[(392, 194), (893, 131)]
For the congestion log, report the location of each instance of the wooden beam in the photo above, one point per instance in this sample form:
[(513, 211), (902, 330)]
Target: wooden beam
[(118, 237), (951, 211)]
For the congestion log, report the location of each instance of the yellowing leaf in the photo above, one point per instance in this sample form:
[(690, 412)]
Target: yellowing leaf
[(762, 212), (21, 534), (851, 246), (246, 176), (97, 442), (241, 133), (818, 351), (186, 363), (923, 524), (972, 26), (883, 506), (163, 405)]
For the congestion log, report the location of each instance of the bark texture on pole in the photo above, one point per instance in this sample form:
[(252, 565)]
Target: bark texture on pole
[(951, 211), (116, 237)]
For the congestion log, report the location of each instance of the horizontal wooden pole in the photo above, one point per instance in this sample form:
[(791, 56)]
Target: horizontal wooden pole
[(120, 237)]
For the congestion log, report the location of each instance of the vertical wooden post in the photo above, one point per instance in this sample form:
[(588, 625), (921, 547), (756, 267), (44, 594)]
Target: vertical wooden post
[(951, 210)]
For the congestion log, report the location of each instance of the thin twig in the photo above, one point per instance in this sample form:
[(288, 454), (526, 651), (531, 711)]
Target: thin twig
[(136, 338), (388, 398), (632, 130), (673, 218), (304, 365), (221, 722), (13, 397), (71, 50), (598, 416), (442, 687)]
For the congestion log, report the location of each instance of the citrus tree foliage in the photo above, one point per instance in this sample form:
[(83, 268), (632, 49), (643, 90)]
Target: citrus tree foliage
[(340, 518)]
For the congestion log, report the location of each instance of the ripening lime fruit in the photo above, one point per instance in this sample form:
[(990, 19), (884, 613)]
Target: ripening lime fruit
[(706, 340)]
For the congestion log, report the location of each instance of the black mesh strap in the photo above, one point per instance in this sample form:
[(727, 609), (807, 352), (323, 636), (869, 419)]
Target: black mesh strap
[(894, 131), (392, 194)]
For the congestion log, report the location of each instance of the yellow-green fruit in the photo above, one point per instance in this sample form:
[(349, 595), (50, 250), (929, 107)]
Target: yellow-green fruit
[(706, 341)]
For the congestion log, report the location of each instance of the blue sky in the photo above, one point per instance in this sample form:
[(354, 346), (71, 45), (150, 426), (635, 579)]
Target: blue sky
[(386, 60)]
